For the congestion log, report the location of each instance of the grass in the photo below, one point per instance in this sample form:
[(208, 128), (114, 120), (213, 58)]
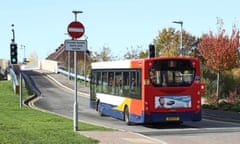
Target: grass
[(29, 126)]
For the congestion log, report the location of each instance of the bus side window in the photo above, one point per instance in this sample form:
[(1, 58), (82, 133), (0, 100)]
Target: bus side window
[(118, 83), (135, 85), (98, 82), (133, 80), (110, 89), (104, 82), (126, 84)]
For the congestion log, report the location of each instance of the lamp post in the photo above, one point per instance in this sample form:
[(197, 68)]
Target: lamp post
[(75, 13), (181, 23)]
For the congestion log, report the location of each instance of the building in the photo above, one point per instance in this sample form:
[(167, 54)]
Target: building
[(61, 56)]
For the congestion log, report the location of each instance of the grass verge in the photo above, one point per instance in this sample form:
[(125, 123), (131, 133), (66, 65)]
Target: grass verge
[(29, 126)]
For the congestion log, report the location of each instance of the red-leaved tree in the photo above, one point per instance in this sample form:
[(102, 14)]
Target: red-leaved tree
[(220, 50)]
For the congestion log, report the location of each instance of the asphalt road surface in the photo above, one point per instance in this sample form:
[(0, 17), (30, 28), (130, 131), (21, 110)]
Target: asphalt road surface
[(56, 99)]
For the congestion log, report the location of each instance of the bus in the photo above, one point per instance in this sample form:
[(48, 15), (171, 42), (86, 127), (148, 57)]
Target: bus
[(150, 90)]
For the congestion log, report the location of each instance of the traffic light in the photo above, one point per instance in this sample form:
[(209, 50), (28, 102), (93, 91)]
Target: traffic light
[(13, 53), (151, 51)]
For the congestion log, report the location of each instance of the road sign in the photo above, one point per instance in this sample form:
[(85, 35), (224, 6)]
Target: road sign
[(76, 29), (75, 45)]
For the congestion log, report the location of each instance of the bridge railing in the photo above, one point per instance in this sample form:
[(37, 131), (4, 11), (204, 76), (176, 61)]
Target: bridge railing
[(79, 77), (3, 67), (14, 80), (54, 66)]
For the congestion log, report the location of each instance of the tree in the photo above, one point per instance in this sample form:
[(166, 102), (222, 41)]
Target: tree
[(219, 50), (167, 43), (135, 53), (143, 54), (104, 55)]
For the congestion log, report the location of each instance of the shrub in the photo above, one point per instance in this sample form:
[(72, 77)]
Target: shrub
[(207, 106), (224, 106), (233, 97), (212, 99), (235, 107)]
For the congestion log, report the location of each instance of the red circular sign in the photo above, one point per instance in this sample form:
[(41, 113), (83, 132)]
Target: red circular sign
[(76, 29)]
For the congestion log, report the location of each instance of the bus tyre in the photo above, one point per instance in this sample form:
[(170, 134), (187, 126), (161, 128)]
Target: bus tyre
[(98, 109), (126, 116)]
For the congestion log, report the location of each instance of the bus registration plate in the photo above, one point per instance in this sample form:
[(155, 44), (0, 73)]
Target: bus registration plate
[(172, 118)]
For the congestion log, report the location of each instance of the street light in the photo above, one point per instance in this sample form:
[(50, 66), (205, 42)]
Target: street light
[(181, 23), (75, 13)]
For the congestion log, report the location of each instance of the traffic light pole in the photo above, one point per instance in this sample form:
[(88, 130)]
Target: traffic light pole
[(13, 39), (20, 94), (13, 49)]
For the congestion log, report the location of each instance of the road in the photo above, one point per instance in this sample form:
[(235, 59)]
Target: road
[(56, 99)]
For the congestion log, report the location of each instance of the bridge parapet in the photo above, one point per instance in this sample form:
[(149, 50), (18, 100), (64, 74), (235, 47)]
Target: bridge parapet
[(14, 81), (49, 65), (3, 66)]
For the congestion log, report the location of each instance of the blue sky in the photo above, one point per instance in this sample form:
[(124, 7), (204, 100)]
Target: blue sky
[(41, 25)]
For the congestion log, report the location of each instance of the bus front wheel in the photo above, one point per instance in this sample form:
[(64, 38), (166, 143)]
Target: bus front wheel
[(99, 108)]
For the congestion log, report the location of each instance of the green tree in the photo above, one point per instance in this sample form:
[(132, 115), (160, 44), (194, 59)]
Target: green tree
[(167, 43), (143, 54)]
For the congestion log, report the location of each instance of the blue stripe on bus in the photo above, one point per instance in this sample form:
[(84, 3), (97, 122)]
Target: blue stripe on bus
[(183, 116), (153, 117), (108, 109)]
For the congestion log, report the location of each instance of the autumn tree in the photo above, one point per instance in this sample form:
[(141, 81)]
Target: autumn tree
[(167, 43), (220, 50)]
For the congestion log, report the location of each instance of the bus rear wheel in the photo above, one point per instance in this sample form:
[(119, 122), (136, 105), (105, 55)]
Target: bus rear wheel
[(126, 116)]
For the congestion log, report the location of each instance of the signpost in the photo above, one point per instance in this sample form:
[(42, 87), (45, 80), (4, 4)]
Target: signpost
[(75, 30), (75, 45)]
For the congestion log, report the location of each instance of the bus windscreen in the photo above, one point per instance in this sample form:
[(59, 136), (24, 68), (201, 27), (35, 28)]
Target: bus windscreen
[(171, 73)]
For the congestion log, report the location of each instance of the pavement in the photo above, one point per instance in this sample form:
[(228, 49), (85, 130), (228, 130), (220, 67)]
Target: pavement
[(127, 137)]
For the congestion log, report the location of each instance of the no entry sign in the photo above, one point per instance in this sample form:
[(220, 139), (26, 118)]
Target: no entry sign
[(76, 29)]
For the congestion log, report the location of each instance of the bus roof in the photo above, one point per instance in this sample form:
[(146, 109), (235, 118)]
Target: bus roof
[(111, 64), (128, 63)]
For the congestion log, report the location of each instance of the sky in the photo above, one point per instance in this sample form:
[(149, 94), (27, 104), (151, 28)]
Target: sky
[(41, 25)]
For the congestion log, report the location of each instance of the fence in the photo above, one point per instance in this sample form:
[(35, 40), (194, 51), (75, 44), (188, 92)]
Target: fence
[(14, 81)]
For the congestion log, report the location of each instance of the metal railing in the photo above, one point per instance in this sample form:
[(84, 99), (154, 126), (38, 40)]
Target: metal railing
[(14, 80), (79, 77)]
